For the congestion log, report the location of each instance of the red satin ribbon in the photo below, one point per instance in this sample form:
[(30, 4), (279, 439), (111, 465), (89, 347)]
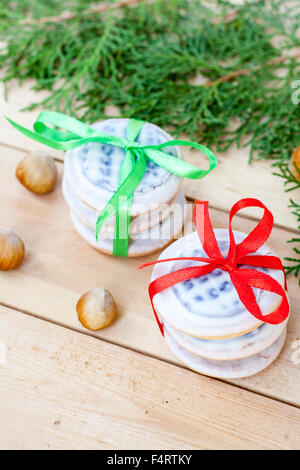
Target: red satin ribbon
[(243, 279)]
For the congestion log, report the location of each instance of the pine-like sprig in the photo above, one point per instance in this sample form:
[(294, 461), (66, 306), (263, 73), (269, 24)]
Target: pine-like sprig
[(291, 183), (294, 262), (147, 60)]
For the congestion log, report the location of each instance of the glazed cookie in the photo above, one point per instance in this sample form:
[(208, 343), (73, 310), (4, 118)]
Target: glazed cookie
[(208, 306), (229, 349), (227, 369), (140, 223), (92, 170), (141, 243)]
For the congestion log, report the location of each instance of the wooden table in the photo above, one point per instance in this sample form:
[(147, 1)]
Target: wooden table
[(64, 387)]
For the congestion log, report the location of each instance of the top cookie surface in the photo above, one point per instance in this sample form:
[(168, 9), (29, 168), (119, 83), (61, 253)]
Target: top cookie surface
[(93, 169), (209, 306)]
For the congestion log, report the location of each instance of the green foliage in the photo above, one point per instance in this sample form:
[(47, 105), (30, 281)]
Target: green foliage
[(145, 60), (294, 263), (291, 183)]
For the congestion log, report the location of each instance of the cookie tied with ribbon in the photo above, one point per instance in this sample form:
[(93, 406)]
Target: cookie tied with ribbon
[(113, 167), (219, 296)]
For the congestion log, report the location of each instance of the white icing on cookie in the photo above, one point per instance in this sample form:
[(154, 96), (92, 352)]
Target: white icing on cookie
[(140, 223), (227, 369), (238, 347), (92, 170), (140, 243), (209, 306)]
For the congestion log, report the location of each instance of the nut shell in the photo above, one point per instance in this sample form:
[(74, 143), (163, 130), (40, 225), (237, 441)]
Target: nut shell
[(37, 172), (295, 160), (96, 309), (12, 250)]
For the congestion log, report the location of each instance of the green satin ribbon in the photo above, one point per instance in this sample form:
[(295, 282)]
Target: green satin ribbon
[(133, 167)]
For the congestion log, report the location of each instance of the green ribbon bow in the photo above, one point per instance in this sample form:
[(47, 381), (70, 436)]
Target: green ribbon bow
[(133, 167)]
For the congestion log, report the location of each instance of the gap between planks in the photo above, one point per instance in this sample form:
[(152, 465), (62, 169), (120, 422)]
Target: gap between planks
[(146, 354), (59, 267), (77, 393), (244, 216), (233, 179), (60, 161)]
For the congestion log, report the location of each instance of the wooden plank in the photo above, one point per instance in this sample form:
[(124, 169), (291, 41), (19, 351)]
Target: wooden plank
[(64, 390), (60, 266), (234, 177)]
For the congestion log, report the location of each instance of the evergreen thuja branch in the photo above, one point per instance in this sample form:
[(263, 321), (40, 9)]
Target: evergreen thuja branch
[(69, 15), (295, 210), (291, 183), (294, 262), (147, 63), (238, 73)]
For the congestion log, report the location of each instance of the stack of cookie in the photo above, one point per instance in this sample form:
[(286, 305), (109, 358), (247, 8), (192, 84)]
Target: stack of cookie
[(91, 178), (205, 324)]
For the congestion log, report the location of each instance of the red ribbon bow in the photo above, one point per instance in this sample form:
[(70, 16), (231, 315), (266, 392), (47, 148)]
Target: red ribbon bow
[(243, 279)]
